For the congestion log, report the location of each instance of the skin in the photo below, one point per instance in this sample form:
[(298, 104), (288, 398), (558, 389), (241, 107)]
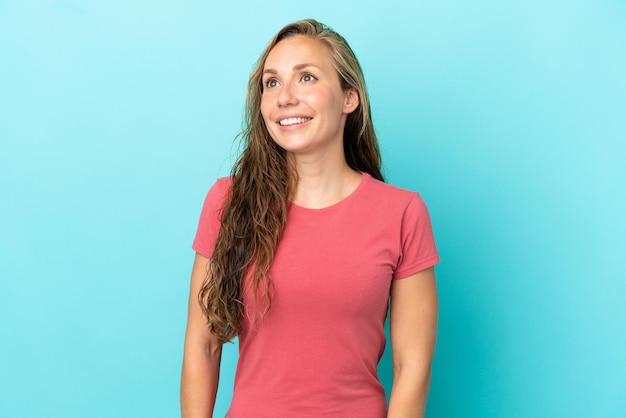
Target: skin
[(301, 82), (413, 331), (202, 354)]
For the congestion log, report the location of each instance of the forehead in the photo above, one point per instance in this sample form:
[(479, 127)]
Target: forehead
[(298, 49)]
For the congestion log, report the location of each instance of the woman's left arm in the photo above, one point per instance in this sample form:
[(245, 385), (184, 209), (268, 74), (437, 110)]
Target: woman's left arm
[(413, 326)]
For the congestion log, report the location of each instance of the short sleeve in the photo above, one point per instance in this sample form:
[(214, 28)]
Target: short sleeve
[(209, 224), (418, 251)]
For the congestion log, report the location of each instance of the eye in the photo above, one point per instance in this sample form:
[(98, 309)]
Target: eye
[(270, 83), (307, 77)]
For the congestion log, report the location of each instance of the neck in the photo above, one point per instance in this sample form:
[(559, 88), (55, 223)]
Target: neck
[(323, 182)]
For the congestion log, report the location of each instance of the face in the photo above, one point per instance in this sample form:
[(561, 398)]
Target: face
[(303, 104)]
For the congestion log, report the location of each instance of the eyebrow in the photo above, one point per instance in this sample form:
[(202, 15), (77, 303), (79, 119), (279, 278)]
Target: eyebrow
[(296, 67)]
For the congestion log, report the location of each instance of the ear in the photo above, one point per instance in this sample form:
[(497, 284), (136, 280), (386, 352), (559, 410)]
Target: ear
[(351, 100)]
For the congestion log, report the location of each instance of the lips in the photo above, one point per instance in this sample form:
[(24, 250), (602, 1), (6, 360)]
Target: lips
[(293, 121)]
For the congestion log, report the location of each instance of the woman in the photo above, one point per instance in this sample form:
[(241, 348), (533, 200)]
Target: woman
[(300, 250)]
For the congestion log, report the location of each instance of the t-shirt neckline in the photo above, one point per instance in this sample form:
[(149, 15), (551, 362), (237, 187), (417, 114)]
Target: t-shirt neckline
[(365, 177)]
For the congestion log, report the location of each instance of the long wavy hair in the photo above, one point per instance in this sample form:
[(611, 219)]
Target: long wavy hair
[(263, 179)]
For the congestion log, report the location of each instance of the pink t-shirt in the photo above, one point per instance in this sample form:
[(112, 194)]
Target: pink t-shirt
[(315, 353)]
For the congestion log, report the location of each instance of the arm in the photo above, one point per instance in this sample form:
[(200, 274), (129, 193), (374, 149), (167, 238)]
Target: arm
[(413, 326), (202, 354)]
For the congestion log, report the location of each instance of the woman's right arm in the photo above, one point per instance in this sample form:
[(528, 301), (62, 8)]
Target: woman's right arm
[(202, 354)]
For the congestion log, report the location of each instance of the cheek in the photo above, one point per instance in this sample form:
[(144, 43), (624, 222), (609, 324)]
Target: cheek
[(328, 100), (267, 117), (264, 108), (266, 113)]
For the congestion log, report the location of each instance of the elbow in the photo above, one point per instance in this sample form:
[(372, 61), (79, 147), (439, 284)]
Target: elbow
[(213, 348), (418, 374)]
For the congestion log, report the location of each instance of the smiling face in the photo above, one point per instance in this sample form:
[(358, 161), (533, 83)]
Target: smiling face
[(303, 104)]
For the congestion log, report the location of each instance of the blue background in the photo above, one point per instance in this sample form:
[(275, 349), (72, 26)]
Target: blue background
[(509, 118)]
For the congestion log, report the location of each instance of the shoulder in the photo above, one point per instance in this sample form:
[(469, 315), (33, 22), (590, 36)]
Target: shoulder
[(392, 203), (219, 190), (223, 184), (390, 194), (215, 198), (209, 223)]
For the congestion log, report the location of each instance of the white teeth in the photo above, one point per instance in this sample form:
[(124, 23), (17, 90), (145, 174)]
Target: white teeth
[(292, 121)]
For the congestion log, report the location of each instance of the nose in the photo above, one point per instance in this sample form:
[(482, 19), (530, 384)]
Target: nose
[(287, 95)]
